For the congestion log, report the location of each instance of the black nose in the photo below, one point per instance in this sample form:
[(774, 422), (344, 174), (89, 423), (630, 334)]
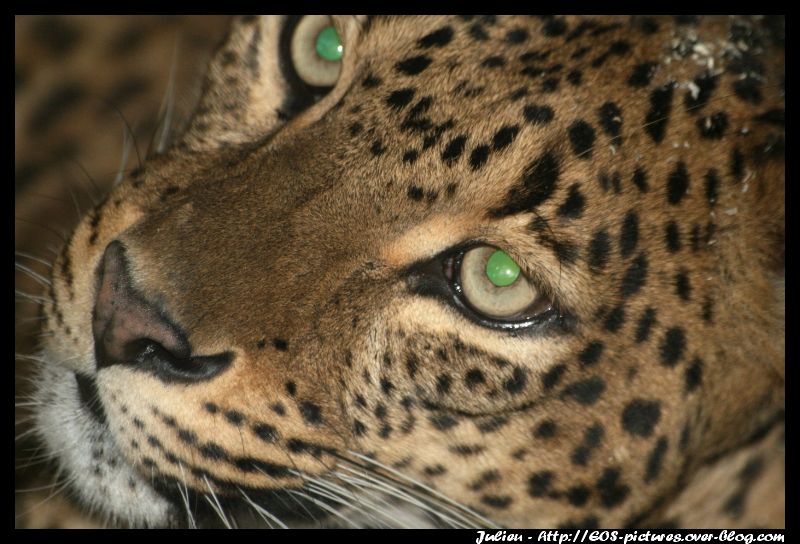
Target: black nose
[(131, 331)]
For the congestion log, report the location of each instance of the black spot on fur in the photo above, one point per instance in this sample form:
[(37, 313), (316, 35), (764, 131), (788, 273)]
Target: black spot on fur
[(377, 147), (581, 136), (575, 77), (748, 89), (640, 179), (538, 115), (494, 61), (265, 432), (694, 375), (615, 319), (538, 184), (546, 429), (443, 384), (359, 428), (585, 391), (491, 424), (645, 325), (713, 127), (435, 470), (454, 149), (776, 117), (573, 206), (473, 378), (640, 417), (539, 483), (410, 156), (578, 495), (437, 38), (504, 137), (466, 450), (517, 35), (611, 121), (516, 383), (412, 364), (635, 277), (677, 183), (478, 157), (311, 412), (554, 27), (672, 346), (612, 492), (442, 422), (549, 85), (629, 234), (400, 98), (672, 236), (370, 81), (280, 344), (656, 459), (708, 310), (551, 378), (416, 193), (413, 65), (499, 502), (608, 181), (642, 74), (737, 164), (234, 417), (658, 115), (592, 437), (705, 85), (213, 451), (598, 251), (683, 287), (591, 353), (486, 477), (477, 32)]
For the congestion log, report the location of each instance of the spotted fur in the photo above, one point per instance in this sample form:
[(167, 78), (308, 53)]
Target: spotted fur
[(276, 250)]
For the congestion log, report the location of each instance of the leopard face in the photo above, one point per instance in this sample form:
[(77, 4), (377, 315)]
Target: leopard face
[(274, 319)]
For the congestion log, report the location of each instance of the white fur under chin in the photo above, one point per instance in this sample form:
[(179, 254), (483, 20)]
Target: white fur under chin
[(71, 434)]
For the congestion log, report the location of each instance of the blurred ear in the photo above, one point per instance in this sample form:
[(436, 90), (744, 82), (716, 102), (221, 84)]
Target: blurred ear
[(246, 94)]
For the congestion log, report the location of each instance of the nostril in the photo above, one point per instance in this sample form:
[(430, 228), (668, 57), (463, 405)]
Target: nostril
[(153, 357), (130, 330)]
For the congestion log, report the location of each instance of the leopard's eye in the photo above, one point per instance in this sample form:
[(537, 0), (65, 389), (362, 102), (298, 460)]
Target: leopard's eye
[(317, 51), (492, 284)]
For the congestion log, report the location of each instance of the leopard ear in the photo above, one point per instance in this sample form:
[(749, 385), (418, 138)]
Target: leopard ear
[(245, 92)]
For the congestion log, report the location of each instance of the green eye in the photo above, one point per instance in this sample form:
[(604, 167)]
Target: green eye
[(493, 285), (317, 51), (329, 46), (501, 269)]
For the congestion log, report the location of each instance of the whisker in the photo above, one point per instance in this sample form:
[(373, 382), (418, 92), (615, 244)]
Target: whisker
[(46, 263), (184, 492), (486, 521), (36, 276), (61, 235), (324, 506), (126, 149), (215, 504), (262, 512)]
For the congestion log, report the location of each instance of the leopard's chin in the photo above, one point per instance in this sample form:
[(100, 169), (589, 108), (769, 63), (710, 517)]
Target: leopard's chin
[(72, 426)]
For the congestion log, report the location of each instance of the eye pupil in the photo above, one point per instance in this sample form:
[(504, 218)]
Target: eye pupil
[(329, 46), (501, 269)]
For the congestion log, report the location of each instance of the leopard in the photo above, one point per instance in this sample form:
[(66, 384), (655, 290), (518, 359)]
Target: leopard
[(421, 271)]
